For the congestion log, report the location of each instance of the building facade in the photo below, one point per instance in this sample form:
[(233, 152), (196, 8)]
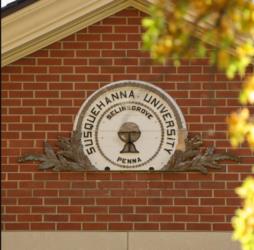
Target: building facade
[(42, 92)]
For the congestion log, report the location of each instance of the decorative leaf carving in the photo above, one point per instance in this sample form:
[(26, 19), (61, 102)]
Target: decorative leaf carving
[(193, 159), (70, 157)]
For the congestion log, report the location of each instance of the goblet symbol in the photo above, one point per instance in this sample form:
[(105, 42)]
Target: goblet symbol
[(129, 133)]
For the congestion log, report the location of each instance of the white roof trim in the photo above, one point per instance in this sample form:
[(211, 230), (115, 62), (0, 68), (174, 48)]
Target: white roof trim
[(48, 21)]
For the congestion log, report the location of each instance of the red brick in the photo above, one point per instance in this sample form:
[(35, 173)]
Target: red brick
[(124, 45), (199, 210), (173, 193), (56, 201), (30, 201), (121, 210), (124, 176), (49, 61), (146, 226), (9, 184), (96, 193), (120, 226), (114, 20), (95, 209), (222, 227), (82, 217), (148, 209), (160, 185), (69, 209), (114, 69), (55, 217), (150, 193), (10, 218), (172, 226), (17, 209), (199, 193), (34, 69), (45, 193), (98, 176), (9, 201), (82, 201), (62, 53), (108, 217), (47, 78), (109, 184), (134, 201), (187, 185), (95, 226), (29, 217), (46, 176), (20, 193), (186, 201), (225, 177), (123, 193), (198, 226), (186, 218), (100, 45), (135, 185), (126, 29), (174, 209), (20, 176), (60, 69), (11, 69), (57, 184), (160, 217), (134, 217), (224, 193), (212, 201), (84, 184), (68, 226), (22, 78), (160, 201), (87, 53), (100, 29), (108, 201), (125, 61), (42, 226), (128, 12), (174, 176), (100, 78), (212, 218), (17, 226), (43, 209)]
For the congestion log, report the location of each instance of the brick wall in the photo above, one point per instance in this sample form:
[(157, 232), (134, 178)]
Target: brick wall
[(41, 95)]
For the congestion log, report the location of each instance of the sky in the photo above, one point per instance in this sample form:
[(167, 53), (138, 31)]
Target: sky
[(5, 2)]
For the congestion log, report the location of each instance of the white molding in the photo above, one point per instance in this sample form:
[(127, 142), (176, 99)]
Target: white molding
[(48, 21)]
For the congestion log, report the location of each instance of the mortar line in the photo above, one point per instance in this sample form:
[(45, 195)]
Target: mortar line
[(127, 245)]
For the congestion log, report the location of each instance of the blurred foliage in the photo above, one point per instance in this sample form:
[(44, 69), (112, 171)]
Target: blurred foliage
[(243, 222), (227, 24), (223, 32), (240, 123), (247, 94)]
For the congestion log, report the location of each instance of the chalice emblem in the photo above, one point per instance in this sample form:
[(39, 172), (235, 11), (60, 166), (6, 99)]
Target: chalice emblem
[(129, 133)]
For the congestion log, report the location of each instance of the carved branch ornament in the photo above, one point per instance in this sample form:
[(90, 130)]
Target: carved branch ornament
[(69, 157)]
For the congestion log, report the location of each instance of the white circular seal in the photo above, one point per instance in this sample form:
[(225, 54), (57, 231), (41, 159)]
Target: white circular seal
[(130, 125)]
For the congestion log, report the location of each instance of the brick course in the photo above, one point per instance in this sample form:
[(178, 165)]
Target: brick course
[(41, 95)]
